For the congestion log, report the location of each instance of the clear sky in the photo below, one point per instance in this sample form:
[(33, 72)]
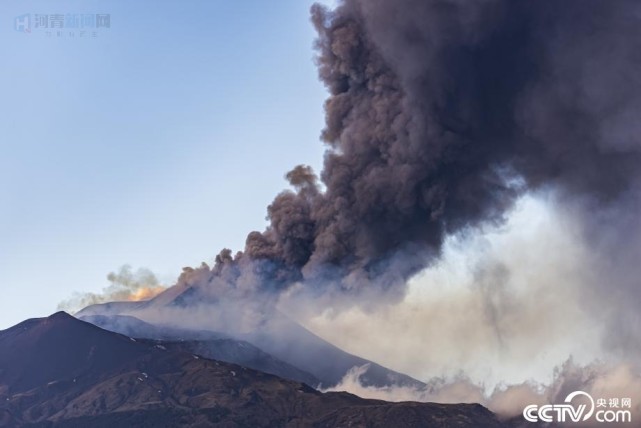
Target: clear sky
[(155, 143)]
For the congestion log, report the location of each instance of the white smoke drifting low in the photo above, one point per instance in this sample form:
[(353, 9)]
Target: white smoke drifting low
[(598, 380), (502, 306), (506, 318)]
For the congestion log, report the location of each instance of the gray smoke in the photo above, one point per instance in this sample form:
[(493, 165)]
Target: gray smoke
[(441, 114)]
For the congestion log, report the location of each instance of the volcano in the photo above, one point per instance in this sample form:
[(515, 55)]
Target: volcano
[(63, 372), (282, 339)]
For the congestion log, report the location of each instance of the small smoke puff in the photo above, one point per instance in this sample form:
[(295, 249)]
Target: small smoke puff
[(125, 285)]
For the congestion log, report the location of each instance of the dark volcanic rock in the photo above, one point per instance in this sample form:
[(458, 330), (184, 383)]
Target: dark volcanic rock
[(62, 372), (38, 351), (288, 344), (213, 345)]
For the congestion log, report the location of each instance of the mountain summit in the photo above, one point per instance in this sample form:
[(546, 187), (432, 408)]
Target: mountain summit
[(63, 372)]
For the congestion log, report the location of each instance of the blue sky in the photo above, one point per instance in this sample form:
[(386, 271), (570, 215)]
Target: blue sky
[(155, 143)]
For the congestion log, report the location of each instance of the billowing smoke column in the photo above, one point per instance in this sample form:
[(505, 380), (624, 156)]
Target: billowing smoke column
[(441, 114)]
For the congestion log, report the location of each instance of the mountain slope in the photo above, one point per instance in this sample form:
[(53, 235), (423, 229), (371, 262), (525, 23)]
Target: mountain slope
[(36, 351), (294, 344), (208, 344), (279, 336), (62, 372)]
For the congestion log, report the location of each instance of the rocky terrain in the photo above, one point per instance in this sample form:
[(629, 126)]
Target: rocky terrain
[(216, 346), (63, 372), (282, 342)]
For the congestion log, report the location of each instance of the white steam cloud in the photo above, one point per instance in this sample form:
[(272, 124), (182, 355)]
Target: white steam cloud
[(506, 318)]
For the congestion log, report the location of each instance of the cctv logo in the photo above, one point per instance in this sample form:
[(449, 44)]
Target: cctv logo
[(559, 412), (574, 413)]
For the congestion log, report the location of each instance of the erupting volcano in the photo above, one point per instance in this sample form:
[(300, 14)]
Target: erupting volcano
[(474, 224)]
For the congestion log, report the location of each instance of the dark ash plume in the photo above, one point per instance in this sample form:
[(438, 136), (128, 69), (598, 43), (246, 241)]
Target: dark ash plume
[(441, 114)]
